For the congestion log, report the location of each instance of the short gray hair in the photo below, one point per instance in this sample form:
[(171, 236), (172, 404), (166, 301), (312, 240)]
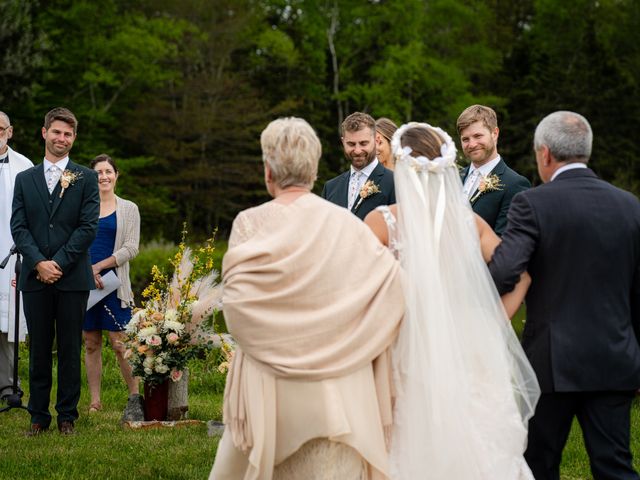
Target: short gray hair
[(568, 136), (292, 150), (5, 116)]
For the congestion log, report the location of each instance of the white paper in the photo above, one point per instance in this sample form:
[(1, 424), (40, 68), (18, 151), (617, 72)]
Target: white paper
[(110, 281)]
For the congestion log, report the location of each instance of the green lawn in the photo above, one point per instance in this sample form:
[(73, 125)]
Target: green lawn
[(104, 450)]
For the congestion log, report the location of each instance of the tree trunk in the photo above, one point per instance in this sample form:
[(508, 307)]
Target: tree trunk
[(178, 403)]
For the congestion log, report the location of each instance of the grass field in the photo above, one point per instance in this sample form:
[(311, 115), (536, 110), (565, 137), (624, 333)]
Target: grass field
[(102, 449)]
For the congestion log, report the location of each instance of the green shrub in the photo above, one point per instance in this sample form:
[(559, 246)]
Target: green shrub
[(153, 253)]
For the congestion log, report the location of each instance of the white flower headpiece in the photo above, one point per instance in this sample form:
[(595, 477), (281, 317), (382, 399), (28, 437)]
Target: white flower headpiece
[(446, 159)]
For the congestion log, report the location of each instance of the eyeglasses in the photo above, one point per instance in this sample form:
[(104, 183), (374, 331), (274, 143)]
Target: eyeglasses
[(4, 129)]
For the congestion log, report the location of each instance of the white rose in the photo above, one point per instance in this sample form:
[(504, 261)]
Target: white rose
[(148, 362), (162, 368), (148, 371)]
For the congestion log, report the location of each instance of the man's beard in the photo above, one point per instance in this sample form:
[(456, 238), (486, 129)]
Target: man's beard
[(58, 150), (361, 161), (488, 152)]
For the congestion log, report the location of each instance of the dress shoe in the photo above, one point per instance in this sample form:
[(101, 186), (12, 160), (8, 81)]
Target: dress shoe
[(66, 428), (36, 429)]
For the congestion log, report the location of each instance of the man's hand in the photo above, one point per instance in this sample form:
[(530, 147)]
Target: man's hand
[(48, 271)]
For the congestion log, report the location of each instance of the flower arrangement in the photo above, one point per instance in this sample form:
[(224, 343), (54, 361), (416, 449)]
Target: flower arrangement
[(173, 325), (67, 179), (369, 188), (488, 183)]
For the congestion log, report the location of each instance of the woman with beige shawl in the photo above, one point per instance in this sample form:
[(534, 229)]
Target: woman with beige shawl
[(314, 302)]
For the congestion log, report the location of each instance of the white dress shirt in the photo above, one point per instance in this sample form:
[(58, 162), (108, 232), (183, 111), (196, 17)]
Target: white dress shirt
[(360, 181), (472, 181), (61, 164), (568, 166)]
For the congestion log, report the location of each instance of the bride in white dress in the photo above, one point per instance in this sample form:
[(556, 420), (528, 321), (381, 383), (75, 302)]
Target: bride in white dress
[(464, 387)]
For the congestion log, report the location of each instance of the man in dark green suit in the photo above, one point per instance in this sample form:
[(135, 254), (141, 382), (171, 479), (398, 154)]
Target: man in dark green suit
[(488, 182), (53, 223)]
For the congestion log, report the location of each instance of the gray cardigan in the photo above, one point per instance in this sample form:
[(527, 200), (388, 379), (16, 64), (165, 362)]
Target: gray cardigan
[(126, 245)]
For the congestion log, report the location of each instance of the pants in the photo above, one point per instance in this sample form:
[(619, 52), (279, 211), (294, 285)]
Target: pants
[(52, 313), (605, 421)]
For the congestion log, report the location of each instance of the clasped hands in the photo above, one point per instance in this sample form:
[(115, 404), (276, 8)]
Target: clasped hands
[(48, 271)]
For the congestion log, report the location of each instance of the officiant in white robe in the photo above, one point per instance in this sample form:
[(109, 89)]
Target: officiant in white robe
[(11, 163)]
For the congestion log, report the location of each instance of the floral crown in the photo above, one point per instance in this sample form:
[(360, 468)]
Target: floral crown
[(446, 159)]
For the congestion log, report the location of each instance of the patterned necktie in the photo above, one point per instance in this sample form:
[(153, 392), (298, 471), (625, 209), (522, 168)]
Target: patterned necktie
[(353, 188), (53, 175), (470, 183)]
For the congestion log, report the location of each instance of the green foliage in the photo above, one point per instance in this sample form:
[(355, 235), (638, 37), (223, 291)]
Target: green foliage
[(178, 92)]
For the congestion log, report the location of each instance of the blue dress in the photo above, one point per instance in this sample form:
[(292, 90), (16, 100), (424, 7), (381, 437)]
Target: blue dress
[(108, 313)]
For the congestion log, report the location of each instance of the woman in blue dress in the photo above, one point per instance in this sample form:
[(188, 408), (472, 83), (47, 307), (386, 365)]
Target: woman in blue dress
[(115, 245)]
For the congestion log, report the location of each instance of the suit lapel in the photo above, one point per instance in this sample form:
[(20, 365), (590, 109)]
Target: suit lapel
[(40, 184), (57, 198), (342, 189), (463, 174)]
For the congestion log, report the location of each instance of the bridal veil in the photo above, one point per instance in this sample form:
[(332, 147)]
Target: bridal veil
[(465, 389)]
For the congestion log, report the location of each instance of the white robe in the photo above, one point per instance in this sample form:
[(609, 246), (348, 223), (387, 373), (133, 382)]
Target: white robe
[(17, 163)]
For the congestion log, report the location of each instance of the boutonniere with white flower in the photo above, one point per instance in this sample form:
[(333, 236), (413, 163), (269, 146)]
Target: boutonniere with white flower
[(368, 189), (488, 183), (67, 179)]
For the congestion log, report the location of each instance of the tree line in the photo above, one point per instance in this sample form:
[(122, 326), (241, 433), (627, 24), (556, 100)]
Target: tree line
[(178, 92)]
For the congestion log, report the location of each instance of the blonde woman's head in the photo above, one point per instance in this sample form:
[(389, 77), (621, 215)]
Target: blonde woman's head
[(291, 150)]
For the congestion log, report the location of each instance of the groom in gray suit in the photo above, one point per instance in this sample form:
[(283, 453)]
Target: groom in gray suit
[(54, 221)]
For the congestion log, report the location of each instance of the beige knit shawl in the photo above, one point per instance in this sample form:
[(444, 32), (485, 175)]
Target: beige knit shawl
[(311, 295)]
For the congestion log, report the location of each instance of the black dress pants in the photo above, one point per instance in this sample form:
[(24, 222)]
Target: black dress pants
[(605, 421), (54, 313)]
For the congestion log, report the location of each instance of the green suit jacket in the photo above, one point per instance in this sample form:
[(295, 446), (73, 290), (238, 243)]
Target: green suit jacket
[(52, 227), (493, 206)]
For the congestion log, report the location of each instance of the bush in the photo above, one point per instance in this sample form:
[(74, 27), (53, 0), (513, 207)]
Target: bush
[(152, 253)]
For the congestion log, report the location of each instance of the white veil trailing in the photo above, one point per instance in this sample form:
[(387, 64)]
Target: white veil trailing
[(465, 389)]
